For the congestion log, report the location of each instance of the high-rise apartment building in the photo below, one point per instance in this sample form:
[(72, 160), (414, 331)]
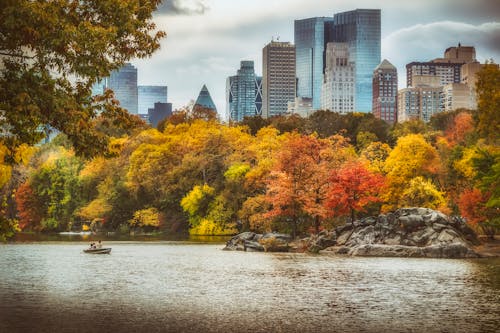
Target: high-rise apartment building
[(243, 93), (339, 86), (421, 101), (278, 78), (123, 82), (360, 29), (310, 43), (149, 95), (385, 92), (447, 69)]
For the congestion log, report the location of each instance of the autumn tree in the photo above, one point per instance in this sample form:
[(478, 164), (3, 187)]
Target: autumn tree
[(298, 183), (461, 127), (52, 52), (412, 157), (352, 188), (488, 92)]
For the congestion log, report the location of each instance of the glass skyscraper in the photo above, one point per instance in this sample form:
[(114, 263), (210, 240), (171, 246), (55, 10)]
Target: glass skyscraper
[(243, 93), (359, 28), (310, 43), (149, 95), (123, 82)]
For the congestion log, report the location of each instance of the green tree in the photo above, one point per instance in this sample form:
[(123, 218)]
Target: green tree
[(51, 54)]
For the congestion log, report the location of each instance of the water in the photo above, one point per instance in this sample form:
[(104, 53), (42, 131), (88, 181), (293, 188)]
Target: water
[(192, 287)]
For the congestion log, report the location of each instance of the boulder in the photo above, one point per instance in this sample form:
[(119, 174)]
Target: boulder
[(407, 232), (252, 242)]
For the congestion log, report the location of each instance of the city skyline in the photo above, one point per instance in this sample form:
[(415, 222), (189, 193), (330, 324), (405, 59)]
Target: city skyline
[(207, 40)]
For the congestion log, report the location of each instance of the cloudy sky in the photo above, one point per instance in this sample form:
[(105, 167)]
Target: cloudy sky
[(207, 39)]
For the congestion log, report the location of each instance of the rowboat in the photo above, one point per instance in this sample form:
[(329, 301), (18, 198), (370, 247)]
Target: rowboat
[(104, 250)]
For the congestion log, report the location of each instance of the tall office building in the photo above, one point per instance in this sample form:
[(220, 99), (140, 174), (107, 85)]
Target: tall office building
[(385, 92), (310, 42), (149, 95), (360, 29), (338, 90), (124, 84), (278, 79), (205, 100), (243, 93)]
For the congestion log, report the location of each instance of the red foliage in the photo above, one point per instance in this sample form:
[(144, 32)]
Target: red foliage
[(472, 205), (29, 209), (352, 188)]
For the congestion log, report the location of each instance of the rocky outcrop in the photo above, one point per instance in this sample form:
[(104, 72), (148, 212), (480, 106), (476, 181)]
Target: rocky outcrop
[(407, 232), (252, 242)]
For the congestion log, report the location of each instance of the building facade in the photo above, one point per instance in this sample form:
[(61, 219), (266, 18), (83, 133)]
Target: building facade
[(385, 92), (278, 78), (419, 103), (310, 43), (123, 82), (149, 95), (339, 87), (243, 93), (302, 106), (360, 29)]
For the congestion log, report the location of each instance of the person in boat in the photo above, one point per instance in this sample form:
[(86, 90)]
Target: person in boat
[(99, 245), (92, 245)]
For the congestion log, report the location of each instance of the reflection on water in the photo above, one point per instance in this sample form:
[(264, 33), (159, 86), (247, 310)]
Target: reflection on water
[(189, 287)]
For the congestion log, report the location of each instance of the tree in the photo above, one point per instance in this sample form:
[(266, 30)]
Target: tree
[(352, 188), (52, 52), (422, 193), (413, 156), (298, 184), (461, 126), (488, 106)]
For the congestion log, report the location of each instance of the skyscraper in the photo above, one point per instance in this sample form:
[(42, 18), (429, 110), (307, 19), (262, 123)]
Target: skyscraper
[(149, 95), (359, 28), (338, 90), (205, 100), (278, 79), (310, 43), (243, 93), (124, 84), (385, 92)]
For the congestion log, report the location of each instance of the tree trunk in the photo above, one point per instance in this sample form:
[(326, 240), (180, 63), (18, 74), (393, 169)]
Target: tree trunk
[(316, 224)]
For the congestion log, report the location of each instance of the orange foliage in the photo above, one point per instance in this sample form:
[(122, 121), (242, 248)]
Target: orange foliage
[(458, 130), (353, 187), (29, 209), (472, 205)]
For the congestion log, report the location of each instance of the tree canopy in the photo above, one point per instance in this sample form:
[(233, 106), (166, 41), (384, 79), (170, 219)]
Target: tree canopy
[(52, 52)]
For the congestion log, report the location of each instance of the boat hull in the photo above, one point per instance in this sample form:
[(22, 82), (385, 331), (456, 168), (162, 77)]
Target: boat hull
[(98, 251)]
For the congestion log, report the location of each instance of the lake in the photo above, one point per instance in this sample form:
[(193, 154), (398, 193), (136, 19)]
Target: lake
[(168, 286)]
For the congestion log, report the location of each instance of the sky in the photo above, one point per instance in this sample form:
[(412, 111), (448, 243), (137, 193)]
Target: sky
[(207, 39)]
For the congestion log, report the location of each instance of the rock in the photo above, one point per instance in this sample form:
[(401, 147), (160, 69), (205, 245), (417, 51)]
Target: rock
[(252, 242), (407, 232)]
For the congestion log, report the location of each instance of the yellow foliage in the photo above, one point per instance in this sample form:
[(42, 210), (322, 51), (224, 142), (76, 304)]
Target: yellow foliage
[(85, 227), (191, 202), (149, 217), (422, 193), (210, 228), (97, 208)]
